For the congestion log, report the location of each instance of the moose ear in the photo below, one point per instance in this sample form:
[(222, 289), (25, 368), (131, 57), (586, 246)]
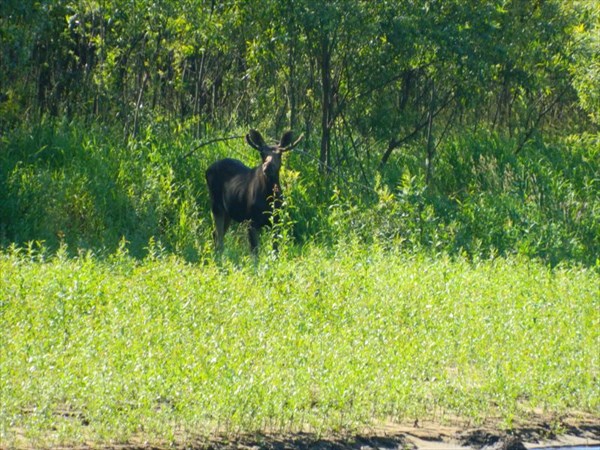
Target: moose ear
[(286, 143), (286, 139), (255, 140)]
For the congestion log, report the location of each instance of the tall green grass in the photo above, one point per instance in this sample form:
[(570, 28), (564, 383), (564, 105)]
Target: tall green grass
[(120, 349)]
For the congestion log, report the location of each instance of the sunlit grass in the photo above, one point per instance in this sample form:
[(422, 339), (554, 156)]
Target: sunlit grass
[(116, 348)]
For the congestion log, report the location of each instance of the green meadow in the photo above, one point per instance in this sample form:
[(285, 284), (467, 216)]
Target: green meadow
[(119, 349)]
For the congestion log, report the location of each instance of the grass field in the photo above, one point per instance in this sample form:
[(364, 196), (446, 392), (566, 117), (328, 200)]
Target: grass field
[(111, 349)]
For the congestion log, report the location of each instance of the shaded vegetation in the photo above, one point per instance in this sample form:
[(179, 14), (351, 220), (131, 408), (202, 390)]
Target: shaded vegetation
[(86, 188)]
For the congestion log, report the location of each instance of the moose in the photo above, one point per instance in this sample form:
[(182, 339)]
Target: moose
[(243, 194)]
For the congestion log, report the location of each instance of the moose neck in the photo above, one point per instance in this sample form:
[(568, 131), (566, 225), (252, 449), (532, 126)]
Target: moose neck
[(270, 180)]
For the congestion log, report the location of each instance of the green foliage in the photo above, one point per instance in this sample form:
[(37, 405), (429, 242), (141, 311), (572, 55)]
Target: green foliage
[(460, 130), (89, 189), (513, 65), (120, 349), (586, 67)]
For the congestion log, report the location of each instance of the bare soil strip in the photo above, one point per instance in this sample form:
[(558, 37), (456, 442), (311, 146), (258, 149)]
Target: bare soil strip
[(582, 430)]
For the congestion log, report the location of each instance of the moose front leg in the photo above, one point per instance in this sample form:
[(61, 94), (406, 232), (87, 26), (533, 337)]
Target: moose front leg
[(253, 234)]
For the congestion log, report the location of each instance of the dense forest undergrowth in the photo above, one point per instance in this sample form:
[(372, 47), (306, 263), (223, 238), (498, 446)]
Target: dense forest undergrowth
[(67, 183)]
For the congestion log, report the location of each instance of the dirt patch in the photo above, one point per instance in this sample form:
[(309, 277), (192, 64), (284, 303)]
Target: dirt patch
[(537, 432)]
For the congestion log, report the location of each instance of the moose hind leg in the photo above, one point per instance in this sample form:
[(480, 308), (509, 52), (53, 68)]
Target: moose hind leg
[(222, 222)]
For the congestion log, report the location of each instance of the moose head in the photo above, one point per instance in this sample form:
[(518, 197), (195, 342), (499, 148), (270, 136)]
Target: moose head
[(241, 193)]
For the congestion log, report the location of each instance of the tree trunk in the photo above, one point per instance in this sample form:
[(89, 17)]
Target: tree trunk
[(292, 99), (326, 105), (292, 88), (430, 146), (138, 105)]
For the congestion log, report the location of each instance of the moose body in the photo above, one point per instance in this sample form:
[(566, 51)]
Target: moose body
[(241, 193)]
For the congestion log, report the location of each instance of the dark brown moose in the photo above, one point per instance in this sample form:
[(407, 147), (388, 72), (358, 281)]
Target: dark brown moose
[(243, 194)]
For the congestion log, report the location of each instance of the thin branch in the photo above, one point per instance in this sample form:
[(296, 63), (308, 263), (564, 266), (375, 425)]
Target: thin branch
[(211, 141), (539, 118), (395, 143), (349, 131)]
